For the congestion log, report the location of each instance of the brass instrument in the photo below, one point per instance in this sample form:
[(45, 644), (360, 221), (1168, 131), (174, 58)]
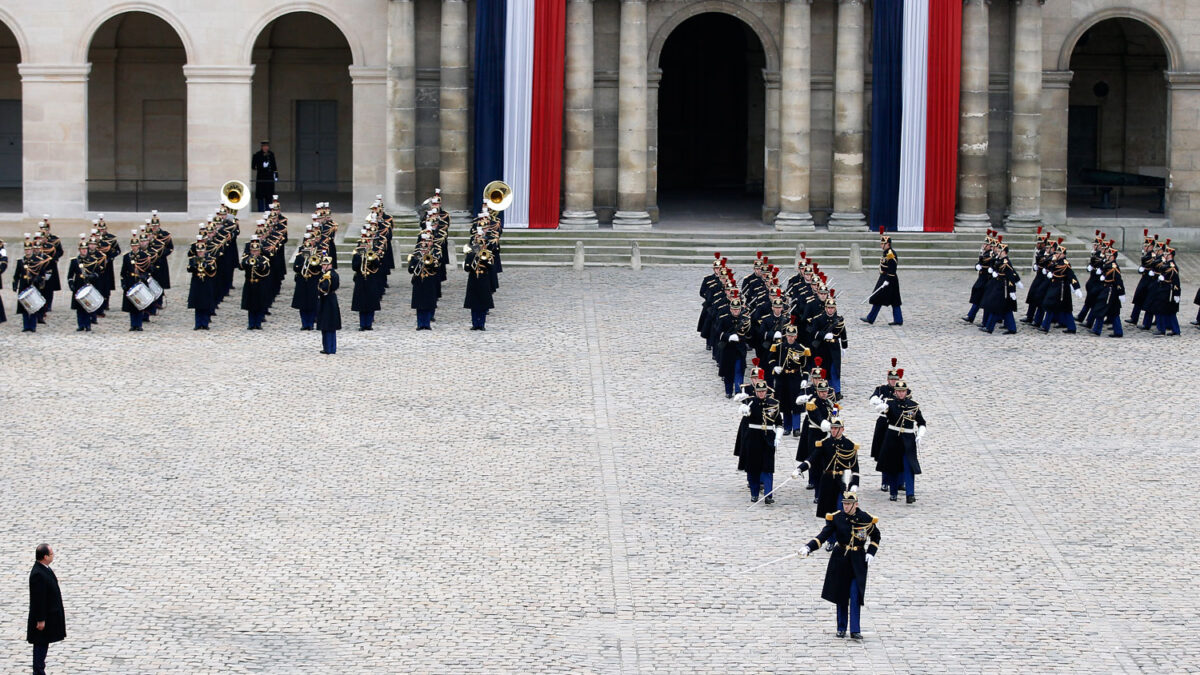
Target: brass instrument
[(497, 195), (235, 195)]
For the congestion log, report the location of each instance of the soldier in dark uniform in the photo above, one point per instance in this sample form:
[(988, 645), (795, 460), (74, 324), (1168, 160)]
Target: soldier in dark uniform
[(307, 267), (887, 286), (135, 269), (110, 248), (983, 270), (735, 332), (835, 465), (710, 287), (329, 315), (366, 267), (770, 329), (1041, 278), (906, 427), (819, 410), (1163, 299), (828, 341), (756, 450), (1057, 301), (202, 292), (881, 395), (256, 289), (789, 363), (1139, 292), (423, 266), (52, 246), (161, 246), (477, 263), (82, 271), (1000, 295), (3, 268), (1106, 306), (1093, 284), (30, 272), (265, 173), (856, 537)]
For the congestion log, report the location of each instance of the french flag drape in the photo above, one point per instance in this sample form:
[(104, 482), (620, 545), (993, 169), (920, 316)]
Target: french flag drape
[(519, 61), (914, 117)]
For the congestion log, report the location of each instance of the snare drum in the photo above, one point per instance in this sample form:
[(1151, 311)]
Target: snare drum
[(31, 299), (154, 287), (140, 295), (89, 299)]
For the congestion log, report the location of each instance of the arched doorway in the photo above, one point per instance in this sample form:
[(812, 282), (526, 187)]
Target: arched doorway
[(137, 116), (302, 103), (711, 121), (1117, 121), (10, 122)]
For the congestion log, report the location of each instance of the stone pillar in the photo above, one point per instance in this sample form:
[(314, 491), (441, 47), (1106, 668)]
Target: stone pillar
[(1025, 161), (218, 137), (973, 119), (453, 173), (848, 79), (368, 138), (54, 136), (579, 119), (653, 80), (1056, 100), (400, 189), (1183, 157), (795, 118), (631, 119), (772, 95)]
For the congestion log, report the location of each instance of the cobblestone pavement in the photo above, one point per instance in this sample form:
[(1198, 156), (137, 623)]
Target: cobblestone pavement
[(558, 494)]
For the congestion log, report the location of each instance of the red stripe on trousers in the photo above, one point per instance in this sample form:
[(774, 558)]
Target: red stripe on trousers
[(545, 147), (941, 141)]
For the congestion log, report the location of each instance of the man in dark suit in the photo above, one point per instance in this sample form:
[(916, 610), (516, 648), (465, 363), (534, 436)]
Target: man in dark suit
[(47, 622), (265, 175)]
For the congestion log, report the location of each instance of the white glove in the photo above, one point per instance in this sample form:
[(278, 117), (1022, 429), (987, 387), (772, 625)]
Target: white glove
[(800, 469), (745, 409), (825, 426), (1177, 298), (777, 370), (1141, 269), (920, 433), (1021, 285), (741, 396), (882, 406), (869, 558), (884, 284), (466, 248), (1098, 272), (995, 274), (735, 338), (804, 385), (1151, 273), (1078, 294), (804, 552), (1121, 299), (802, 399), (828, 336), (874, 401), (1090, 268), (778, 436), (978, 267), (1013, 296), (777, 335)]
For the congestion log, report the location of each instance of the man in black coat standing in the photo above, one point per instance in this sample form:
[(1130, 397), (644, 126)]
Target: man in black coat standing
[(47, 622), (329, 314), (265, 174)]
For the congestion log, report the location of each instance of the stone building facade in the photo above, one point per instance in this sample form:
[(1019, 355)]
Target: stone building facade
[(719, 102)]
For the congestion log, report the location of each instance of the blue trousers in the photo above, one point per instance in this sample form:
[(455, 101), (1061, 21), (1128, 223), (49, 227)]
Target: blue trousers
[(787, 422), (255, 319), (1167, 323), (478, 318), (734, 382), (424, 316), (1098, 324), (329, 341), (764, 481), (1148, 319), (39, 658), (1137, 312), (29, 321), (850, 608), (897, 315), (366, 319), (202, 318), (135, 319), (1065, 319), (1010, 322), (973, 311), (308, 319), (83, 319), (835, 369), (905, 478)]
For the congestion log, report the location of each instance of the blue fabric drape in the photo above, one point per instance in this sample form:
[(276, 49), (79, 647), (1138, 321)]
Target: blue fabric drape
[(489, 98), (886, 98)]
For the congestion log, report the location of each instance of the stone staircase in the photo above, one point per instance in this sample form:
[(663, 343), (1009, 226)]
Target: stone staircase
[(832, 250)]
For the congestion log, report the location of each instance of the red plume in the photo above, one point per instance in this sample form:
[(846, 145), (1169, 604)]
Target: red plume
[(881, 229), (824, 374), (717, 255), (1039, 229), (724, 260), (735, 293), (1103, 235), (803, 254), (792, 320), (900, 373), (1097, 233), (893, 362), (778, 292), (754, 361), (1146, 232), (1168, 241), (758, 254), (831, 292), (817, 362)]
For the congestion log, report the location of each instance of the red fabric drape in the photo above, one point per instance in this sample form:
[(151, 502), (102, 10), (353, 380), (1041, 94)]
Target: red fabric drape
[(545, 147), (941, 142)]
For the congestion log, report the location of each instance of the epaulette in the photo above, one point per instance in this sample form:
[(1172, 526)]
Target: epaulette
[(890, 255), (817, 443), (810, 406), (829, 517)]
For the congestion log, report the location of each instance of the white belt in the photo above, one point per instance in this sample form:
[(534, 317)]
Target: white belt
[(764, 427), (902, 430)]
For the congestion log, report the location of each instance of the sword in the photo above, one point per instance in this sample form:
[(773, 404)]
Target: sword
[(873, 293), (759, 567), (773, 491)]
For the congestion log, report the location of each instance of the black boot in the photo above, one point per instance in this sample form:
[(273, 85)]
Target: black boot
[(909, 499)]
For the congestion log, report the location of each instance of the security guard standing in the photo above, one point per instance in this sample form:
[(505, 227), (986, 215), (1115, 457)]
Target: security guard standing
[(266, 172), (855, 534)]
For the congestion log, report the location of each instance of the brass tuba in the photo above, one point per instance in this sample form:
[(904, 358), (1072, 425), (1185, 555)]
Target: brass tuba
[(235, 195), (497, 195)]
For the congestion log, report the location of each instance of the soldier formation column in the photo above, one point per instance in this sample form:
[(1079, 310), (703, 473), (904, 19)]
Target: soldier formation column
[(631, 120), (973, 119), (795, 119), (453, 175), (401, 184), (848, 79), (1025, 163), (579, 119)]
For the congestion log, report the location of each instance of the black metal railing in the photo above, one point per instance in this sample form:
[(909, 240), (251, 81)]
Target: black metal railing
[(137, 194), (298, 195)]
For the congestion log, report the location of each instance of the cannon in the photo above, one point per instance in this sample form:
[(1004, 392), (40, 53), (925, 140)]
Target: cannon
[(1107, 180)]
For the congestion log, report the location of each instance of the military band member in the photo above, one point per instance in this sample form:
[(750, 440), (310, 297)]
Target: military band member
[(256, 290), (51, 246), (307, 268), (135, 269), (477, 263), (756, 449), (789, 363), (856, 536), (30, 272), (202, 292), (887, 286), (366, 267), (834, 463), (423, 266), (329, 315), (110, 248), (3, 268), (161, 246), (882, 394), (828, 341), (82, 271), (906, 427)]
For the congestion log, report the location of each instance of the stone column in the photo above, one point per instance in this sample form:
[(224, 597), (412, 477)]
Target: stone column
[(579, 119), (1025, 161), (218, 137), (653, 80), (973, 119), (1056, 101), (1183, 155), (795, 118), (848, 79), (631, 120), (54, 136), (368, 136), (772, 95), (400, 190), (453, 173)]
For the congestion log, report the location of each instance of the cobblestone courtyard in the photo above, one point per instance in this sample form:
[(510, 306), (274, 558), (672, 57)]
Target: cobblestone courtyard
[(559, 493)]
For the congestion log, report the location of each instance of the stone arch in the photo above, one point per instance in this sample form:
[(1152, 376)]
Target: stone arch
[(1174, 53), (320, 9), (10, 22), (736, 10), (84, 45)]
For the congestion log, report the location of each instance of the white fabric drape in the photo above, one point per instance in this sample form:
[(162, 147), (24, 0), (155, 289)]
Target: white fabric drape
[(518, 107), (910, 211)]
